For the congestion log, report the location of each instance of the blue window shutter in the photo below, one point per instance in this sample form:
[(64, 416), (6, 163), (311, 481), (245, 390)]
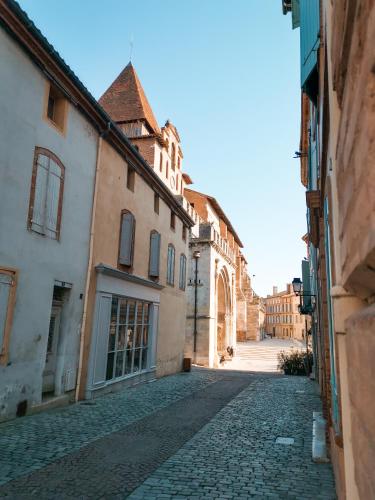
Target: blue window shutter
[(127, 239), (309, 36), (182, 272), (154, 254)]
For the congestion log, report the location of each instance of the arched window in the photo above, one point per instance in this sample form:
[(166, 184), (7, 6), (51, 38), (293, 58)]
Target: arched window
[(173, 156), (161, 162), (127, 233), (154, 263), (46, 195), (182, 280), (170, 265)]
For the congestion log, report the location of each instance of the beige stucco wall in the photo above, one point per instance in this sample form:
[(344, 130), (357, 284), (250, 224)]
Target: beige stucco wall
[(112, 197)]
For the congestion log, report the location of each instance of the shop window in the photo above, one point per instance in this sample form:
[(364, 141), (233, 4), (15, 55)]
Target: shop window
[(154, 263), (127, 233), (170, 265), (128, 342), (46, 195)]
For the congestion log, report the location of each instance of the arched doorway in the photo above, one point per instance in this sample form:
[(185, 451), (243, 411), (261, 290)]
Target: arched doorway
[(223, 313)]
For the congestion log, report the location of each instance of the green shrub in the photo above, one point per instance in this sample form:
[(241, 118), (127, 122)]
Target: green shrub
[(295, 362)]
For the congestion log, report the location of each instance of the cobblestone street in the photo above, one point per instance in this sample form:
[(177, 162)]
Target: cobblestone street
[(206, 434)]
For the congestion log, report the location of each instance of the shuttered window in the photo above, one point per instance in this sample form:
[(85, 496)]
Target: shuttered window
[(127, 239), (170, 265), (182, 272), (7, 296), (154, 254), (46, 194)]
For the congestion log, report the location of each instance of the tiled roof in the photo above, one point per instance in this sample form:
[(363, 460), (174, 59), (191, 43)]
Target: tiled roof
[(125, 100)]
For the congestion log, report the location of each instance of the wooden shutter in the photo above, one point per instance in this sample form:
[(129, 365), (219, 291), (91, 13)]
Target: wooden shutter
[(53, 195), (154, 254), (127, 239), (5, 285), (40, 194)]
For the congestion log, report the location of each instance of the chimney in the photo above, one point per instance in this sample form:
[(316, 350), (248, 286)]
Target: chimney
[(274, 290)]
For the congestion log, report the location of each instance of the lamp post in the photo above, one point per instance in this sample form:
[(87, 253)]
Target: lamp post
[(303, 310), (196, 256)]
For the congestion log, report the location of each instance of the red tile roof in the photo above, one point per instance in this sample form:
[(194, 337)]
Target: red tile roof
[(125, 100)]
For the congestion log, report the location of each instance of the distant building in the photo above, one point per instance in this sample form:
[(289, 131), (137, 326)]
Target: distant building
[(283, 319)]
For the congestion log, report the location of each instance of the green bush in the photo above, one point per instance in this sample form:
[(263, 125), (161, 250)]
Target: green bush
[(295, 362)]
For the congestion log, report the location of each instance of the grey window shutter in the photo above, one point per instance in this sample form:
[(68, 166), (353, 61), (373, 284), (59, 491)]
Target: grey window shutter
[(53, 194), (39, 202), (5, 284), (154, 254), (127, 239)]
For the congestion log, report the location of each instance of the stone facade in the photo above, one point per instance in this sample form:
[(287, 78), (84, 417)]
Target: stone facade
[(283, 319), (337, 169)]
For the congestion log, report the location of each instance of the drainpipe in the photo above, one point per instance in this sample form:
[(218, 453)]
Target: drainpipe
[(196, 256), (90, 260)]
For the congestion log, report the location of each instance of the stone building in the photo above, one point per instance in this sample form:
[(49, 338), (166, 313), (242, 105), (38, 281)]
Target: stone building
[(95, 256), (250, 307), (283, 319), (214, 248), (337, 169), (47, 169)]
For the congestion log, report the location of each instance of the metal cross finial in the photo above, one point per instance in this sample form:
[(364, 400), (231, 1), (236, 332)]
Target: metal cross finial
[(131, 43)]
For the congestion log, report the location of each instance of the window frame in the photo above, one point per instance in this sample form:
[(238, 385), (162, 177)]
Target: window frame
[(61, 124), (130, 178), (182, 275), (46, 152), (169, 281), (154, 277), (4, 346), (128, 267)]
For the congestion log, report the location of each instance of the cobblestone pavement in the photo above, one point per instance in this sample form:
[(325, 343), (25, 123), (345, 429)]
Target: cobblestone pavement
[(207, 434), (235, 456)]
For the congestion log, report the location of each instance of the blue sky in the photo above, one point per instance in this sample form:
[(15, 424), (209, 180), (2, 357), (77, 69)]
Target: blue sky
[(227, 75)]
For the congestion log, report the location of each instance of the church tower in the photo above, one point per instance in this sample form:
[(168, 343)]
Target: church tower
[(126, 103)]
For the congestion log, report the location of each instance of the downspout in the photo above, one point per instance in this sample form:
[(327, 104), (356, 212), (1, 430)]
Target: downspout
[(195, 304), (90, 259)]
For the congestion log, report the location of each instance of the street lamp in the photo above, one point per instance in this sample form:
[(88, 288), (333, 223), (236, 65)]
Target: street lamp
[(297, 286), (196, 256), (303, 309)]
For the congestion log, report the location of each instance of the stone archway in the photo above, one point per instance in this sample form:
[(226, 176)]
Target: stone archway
[(223, 313)]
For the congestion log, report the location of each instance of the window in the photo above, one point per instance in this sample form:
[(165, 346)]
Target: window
[(56, 107), (167, 170), (173, 220), (8, 283), (130, 178), (46, 195), (127, 233), (184, 231), (154, 263), (156, 203), (182, 272), (179, 162), (161, 162), (128, 341), (177, 182), (173, 157), (170, 265)]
